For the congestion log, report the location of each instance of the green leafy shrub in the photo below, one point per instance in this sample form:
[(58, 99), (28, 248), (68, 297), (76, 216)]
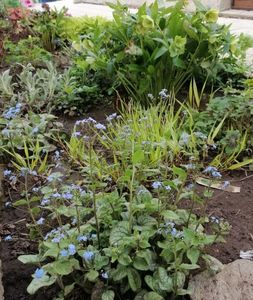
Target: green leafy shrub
[(134, 243), (41, 89), (160, 48), (74, 28), (17, 129), (47, 26), (9, 3), (26, 51), (122, 228), (229, 116)]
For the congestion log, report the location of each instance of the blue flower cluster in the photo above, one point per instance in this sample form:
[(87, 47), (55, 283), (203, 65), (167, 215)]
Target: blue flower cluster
[(8, 238), (68, 252), (87, 237), (56, 235), (41, 221), (184, 139), (157, 185), (39, 273), (88, 255), (168, 228), (85, 121), (25, 171), (12, 112), (164, 94), (8, 174), (212, 171), (111, 117)]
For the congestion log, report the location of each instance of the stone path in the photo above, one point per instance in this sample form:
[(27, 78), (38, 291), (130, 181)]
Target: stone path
[(237, 13), (81, 9)]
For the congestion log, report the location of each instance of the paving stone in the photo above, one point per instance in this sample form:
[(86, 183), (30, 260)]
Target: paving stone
[(234, 282)]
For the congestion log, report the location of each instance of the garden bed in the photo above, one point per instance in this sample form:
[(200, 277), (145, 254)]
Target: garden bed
[(106, 127), (237, 209)]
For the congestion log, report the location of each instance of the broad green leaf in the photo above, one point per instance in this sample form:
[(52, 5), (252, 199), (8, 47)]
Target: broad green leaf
[(29, 259), (134, 279), (69, 288), (20, 202), (118, 233), (165, 282), (140, 264), (193, 255), (182, 292), (170, 215), (108, 295), (39, 283), (125, 259), (119, 273), (63, 267), (100, 261), (92, 275), (150, 282), (180, 173), (54, 252), (160, 52)]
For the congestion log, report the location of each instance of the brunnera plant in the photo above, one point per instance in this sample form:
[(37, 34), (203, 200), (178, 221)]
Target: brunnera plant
[(134, 243)]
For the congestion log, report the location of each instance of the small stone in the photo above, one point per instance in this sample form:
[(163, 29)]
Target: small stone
[(233, 282)]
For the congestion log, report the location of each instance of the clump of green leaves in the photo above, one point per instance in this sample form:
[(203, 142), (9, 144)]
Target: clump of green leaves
[(74, 28), (227, 117), (47, 26), (26, 51), (132, 243), (28, 128), (160, 48), (41, 89)]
